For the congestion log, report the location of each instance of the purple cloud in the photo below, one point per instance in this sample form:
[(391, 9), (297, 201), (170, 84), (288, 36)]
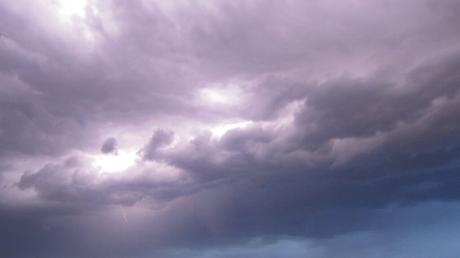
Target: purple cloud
[(228, 129)]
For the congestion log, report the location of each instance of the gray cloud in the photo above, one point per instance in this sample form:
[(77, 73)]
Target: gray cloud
[(109, 145), (160, 138), (321, 117)]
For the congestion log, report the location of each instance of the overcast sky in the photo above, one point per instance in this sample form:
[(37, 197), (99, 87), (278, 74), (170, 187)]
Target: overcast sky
[(229, 129)]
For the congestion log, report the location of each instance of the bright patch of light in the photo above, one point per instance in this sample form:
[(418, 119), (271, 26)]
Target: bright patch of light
[(110, 163), (215, 96), (220, 130), (69, 9), (221, 94)]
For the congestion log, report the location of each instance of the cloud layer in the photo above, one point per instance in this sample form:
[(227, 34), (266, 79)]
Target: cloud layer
[(228, 129)]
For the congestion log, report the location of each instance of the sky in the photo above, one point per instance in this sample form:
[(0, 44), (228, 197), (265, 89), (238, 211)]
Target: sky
[(229, 129)]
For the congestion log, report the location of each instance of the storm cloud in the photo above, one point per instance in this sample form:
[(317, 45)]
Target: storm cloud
[(229, 128)]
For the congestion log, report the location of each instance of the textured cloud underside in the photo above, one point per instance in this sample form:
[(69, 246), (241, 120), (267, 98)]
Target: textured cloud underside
[(226, 128)]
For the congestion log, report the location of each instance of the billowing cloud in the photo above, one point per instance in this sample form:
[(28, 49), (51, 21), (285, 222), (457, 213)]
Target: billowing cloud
[(229, 129)]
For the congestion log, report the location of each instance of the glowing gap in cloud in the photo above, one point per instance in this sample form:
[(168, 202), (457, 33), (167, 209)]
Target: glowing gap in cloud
[(215, 97), (69, 9), (219, 130), (220, 95), (112, 163)]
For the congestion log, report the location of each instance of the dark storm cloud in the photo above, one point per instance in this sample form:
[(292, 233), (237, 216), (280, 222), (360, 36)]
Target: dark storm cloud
[(160, 138), (251, 183), (256, 172), (75, 181), (348, 108), (72, 182), (109, 145)]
